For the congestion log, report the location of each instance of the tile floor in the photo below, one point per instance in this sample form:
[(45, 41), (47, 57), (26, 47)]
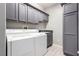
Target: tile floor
[(55, 50)]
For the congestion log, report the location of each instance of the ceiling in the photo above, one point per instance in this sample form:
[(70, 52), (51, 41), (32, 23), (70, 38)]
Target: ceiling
[(46, 5)]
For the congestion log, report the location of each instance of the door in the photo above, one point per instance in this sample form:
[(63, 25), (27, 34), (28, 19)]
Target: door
[(70, 34), (11, 11), (22, 12)]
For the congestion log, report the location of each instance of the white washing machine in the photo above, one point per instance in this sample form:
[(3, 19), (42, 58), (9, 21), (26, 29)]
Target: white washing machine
[(26, 43)]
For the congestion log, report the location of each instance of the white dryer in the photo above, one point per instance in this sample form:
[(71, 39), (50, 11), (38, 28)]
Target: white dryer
[(24, 43)]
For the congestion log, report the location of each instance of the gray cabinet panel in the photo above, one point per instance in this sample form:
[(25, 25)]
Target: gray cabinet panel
[(70, 44), (70, 24), (78, 7), (78, 28), (49, 39), (26, 13), (22, 16), (70, 34), (40, 16), (45, 17), (36, 16), (32, 15), (17, 11), (10, 11), (70, 8)]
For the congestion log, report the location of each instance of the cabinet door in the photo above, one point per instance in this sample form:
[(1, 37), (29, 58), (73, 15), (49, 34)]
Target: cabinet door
[(40, 16), (78, 30), (32, 15), (17, 11), (70, 8), (45, 17), (26, 13), (11, 11), (36, 15), (70, 34), (49, 39), (78, 6), (22, 16)]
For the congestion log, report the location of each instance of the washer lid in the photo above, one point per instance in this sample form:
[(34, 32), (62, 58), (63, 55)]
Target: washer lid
[(14, 37)]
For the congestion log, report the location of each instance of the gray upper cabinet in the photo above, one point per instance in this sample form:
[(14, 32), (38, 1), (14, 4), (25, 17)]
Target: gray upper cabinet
[(22, 12), (35, 16), (40, 16), (11, 12), (70, 8), (70, 34), (25, 13), (45, 17), (32, 15)]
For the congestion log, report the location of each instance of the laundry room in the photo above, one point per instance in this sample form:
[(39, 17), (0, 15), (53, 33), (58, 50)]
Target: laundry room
[(39, 29)]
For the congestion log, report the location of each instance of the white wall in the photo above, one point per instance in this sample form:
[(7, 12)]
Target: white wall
[(56, 22)]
